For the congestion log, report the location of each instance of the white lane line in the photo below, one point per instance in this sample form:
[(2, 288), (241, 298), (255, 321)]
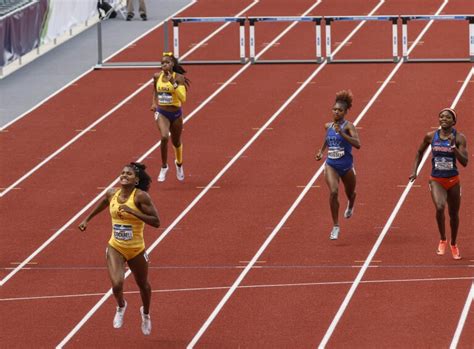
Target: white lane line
[(144, 156), (219, 288), (110, 112), (462, 319), (200, 195), (91, 69), (382, 235), (257, 256)]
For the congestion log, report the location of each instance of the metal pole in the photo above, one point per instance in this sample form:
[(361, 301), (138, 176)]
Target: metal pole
[(252, 40), (99, 42), (318, 40), (242, 40), (166, 34)]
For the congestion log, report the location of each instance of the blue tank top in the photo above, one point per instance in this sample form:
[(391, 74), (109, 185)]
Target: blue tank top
[(443, 160), (339, 150)]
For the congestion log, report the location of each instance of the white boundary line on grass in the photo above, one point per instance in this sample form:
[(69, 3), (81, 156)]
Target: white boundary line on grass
[(91, 69), (383, 233), (204, 191), (111, 111), (462, 319)]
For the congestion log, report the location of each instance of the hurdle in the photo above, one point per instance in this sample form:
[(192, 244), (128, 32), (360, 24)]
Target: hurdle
[(394, 19), (252, 42), (407, 18), (241, 20)]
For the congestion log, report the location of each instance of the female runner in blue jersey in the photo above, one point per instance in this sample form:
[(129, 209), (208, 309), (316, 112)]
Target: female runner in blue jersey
[(447, 146), (341, 136), (169, 94)]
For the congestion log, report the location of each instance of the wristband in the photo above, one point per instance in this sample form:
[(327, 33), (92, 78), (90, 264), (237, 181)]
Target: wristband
[(175, 85)]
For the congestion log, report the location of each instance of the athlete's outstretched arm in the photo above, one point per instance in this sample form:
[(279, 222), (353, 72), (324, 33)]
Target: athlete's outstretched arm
[(102, 205), (319, 154), (419, 154)]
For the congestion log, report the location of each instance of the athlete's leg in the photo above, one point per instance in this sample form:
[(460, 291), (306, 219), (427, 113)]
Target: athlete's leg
[(176, 129), (454, 203), (349, 180), (164, 127), (332, 180), (116, 267), (439, 196), (139, 267)]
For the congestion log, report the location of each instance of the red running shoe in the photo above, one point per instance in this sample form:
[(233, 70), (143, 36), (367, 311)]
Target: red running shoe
[(455, 252), (441, 247)]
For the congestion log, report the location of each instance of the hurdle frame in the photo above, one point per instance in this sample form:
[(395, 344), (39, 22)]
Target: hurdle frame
[(241, 20), (406, 18), (252, 41), (393, 18)]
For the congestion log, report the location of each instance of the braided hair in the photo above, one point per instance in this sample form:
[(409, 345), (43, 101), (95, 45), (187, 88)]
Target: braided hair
[(144, 179), (345, 97)]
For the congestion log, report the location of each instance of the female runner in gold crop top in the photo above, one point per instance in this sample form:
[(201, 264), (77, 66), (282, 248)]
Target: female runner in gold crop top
[(130, 209), (169, 93)]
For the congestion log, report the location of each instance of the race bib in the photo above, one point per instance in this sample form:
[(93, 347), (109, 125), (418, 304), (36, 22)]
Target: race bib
[(335, 153), (443, 164), (123, 232), (165, 98)]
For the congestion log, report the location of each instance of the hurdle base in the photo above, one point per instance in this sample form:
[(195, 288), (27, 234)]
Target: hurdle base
[(127, 65), (283, 61), (436, 60), (365, 60)]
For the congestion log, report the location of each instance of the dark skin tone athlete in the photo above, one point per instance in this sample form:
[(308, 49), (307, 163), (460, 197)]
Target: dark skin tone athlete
[(115, 261), (164, 125), (439, 194), (349, 133)]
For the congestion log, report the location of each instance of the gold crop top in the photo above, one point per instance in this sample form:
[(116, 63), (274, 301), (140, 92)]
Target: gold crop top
[(167, 95)]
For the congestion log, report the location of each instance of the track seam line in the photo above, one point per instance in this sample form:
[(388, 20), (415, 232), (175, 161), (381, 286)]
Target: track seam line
[(146, 154), (107, 114), (218, 288), (237, 282), (91, 69)]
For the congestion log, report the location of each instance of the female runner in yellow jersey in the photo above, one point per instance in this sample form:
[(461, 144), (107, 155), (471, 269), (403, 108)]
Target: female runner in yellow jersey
[(169, 93), (130, 209)]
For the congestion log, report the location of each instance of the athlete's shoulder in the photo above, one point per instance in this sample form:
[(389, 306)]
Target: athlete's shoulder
[(111, 192), (142, 196), (328, 125), (429, 136)]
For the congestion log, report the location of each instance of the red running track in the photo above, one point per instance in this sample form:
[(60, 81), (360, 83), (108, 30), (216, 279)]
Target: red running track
[(221, 232)]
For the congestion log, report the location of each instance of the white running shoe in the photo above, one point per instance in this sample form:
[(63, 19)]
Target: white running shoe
[(334, 233), (163, 172), (349, 211), (119, 313), (179, 171), (146, 322)]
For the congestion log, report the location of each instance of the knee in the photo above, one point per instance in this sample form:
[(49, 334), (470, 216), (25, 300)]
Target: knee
[(145, 286), (453, 214), (117, 286), (439, 208), (333, 192), (164, 139)]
